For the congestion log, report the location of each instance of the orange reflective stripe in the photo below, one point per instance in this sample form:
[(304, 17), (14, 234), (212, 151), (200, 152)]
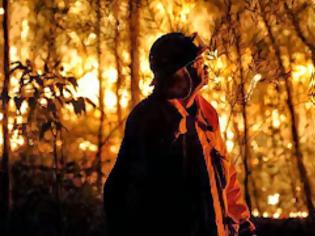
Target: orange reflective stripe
[(182, 129), (179, 107), (211, 174)]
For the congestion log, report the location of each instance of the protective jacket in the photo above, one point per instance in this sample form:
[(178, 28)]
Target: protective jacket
[(172, 175)]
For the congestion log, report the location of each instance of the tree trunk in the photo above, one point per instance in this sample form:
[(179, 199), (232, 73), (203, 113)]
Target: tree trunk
[(299, 31), (100, 135), (246, 150), (294, 131), (291, 165), (118, 66), (57, 178), (5, 164), (134, 30), (245, 144)]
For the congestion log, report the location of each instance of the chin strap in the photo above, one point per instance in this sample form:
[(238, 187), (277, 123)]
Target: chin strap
[(185, 74), (190, 83)]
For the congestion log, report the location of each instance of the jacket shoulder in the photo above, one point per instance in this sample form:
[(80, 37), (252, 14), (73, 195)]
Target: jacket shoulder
[(146, 114), (144, 109)]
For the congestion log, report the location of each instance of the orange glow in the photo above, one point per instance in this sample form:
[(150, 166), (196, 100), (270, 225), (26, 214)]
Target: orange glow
[(89, 86), (110, 75), (88, 146), (273, 199), (110, 100)]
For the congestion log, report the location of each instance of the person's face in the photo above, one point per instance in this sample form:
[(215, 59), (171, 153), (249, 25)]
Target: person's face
[(188, 79), (180, 84), (201, 72)]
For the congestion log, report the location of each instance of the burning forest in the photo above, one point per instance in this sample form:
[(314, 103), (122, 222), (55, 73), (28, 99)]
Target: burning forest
[(73, 70)]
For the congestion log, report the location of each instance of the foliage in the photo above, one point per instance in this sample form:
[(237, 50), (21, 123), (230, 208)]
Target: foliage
[(78, 213), (45, 94)]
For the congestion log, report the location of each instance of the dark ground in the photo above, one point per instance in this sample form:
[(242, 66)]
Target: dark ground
[(47, 227), (79, 212), (284, 227)]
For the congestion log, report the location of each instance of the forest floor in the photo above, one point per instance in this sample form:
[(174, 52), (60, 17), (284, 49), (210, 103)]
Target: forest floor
[(265, 227), (284, 227), (79, 209)]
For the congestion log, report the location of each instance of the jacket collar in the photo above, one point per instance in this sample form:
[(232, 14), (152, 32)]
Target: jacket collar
[(202, 119)]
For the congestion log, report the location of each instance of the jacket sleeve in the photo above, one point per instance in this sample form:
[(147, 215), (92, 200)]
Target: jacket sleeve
[(236, 205)]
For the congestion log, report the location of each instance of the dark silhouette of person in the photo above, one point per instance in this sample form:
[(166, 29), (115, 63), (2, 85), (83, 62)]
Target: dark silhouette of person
[(172, 175)]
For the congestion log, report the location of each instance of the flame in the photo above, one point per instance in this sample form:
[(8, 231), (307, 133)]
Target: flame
[(92, 36), (89, 86), (185, 12), (255, 212), (145, 88), (302, 72), (91, 63), (265, 214), (76, 8), (114, 149), (13, 53), (229, 145), (273, 199), (110, 100), (124, 99), (110, 74), (16, 140), (230, 134), (275, 119), (25, 29), (159, 6), (88, 146), (298, 214)]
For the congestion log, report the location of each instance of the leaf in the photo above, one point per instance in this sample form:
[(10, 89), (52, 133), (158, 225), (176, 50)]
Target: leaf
[(39, 80), (18, 102), (73, 81), (60, 88), (77, 106), (36, 93), (58, 125), (57, 64), (59, 99), (46, 69), (69, 91), (23, 128), (31, 102), (82, 103), (52, 107), (19, 65)]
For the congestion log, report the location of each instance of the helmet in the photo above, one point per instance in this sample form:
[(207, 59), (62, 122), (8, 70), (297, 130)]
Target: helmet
[(171, 52)]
